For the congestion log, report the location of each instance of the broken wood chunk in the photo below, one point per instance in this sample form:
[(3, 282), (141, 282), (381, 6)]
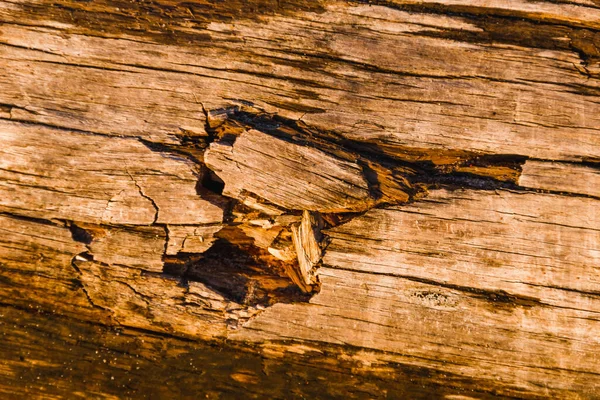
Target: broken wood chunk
[(394, 174), (263, 237), (240, 268), (283, 247), (291, 176), (254, 202), (190, 238)]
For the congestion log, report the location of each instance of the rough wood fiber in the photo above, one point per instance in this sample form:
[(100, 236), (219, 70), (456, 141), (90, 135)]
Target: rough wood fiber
[(543, 247), (274, 199), (421, 324), (336, 69), (131, 362), (306, 237)]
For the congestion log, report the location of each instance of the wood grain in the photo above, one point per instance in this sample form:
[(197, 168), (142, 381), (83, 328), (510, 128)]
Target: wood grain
[(313, 180), (561, 177), (50, 173), (411, 321), (291, 199), (542, 247), (517, 93)]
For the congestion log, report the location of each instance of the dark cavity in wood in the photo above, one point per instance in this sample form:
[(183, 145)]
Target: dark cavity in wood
[(239, 270)]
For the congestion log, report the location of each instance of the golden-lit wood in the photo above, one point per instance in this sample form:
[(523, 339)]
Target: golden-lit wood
[(300, 199)]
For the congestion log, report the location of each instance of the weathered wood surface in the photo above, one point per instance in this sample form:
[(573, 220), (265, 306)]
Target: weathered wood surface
[(396, 199), (561, 177), (313, 180)]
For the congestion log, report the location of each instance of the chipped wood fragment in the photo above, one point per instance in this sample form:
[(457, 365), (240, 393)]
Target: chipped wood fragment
[(306, 237), (288, 175), (283, 247)]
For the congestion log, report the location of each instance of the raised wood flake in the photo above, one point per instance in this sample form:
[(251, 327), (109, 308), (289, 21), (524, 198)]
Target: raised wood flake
[(289, 175)]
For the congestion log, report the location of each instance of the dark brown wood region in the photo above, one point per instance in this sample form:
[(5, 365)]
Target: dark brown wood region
[(300, 199)]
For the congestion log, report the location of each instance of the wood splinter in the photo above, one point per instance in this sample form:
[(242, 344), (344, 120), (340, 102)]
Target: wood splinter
[(306, 237)]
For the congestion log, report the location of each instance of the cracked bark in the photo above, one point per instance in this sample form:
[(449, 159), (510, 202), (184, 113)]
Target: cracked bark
[(385, 198)]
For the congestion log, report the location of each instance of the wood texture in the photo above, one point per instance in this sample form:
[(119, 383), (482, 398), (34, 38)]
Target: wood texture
[(291, 199), (48, 173), (532, 245), (313, 180), (445, 94), (560, 177)]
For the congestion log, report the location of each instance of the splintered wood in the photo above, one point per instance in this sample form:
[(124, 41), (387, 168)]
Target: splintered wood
[(306, 237), (402, 196)]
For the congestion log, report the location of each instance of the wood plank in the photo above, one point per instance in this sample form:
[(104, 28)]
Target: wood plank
[(407, 320), (578, 12)]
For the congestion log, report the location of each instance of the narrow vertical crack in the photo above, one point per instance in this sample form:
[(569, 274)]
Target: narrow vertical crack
[(150, 199), (85, 256)]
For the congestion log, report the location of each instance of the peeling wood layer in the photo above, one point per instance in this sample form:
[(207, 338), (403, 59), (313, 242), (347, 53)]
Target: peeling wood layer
[(307, 186)]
